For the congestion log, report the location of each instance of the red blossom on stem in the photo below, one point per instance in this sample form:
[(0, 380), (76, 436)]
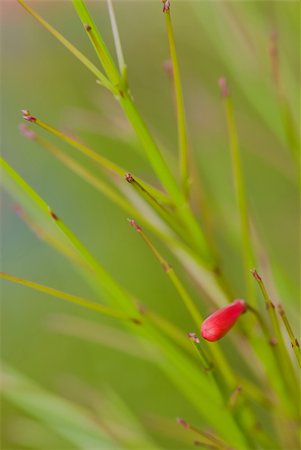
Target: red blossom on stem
[(221, 321)]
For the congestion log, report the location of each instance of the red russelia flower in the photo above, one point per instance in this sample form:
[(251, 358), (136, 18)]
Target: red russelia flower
[(221, 321)]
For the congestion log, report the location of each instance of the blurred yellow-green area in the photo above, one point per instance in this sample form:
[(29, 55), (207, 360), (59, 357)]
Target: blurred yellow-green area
[(82, 356)]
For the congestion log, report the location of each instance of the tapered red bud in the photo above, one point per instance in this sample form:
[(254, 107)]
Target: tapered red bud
[(221, 321)]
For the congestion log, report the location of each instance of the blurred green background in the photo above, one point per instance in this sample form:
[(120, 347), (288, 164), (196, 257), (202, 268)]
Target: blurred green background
[(42, 337)]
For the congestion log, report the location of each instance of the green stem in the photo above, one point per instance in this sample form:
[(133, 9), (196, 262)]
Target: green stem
[(89, 304), (91, 154), (215, 351), (248, 255), (283, 359), (216, 441), (182, 131), (294, 341), (160, 167), (189, 304), (116, 37), (150, 147), (165, 213), (97, 42), (82, 58)]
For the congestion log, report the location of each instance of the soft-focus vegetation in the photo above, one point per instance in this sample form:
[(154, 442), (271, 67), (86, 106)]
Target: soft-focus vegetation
[(192, 132)]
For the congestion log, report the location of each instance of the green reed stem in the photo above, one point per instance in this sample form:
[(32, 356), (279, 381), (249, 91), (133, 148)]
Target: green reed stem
[(189, 304), (164, 212), (206, 364), (151, 149), (290, 127), (104, 187), (111, 287), (181, 119), (117, 42), (222, 363), (248, 255), (216, 441), (294, 341), (97, 42), (281, 353), (89, 304), (82, 58), (91, 154)]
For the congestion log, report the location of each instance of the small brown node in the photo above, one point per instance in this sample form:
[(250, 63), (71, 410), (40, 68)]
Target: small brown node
[(53, 215), (166, 6), (256, 275), (87, 27), (27, 116), (135, 225), (182, 422), (136, 321), (209, 368), (129, 178), (193, 337)]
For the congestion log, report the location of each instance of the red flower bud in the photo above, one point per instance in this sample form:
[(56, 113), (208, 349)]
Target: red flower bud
[(221, 321)]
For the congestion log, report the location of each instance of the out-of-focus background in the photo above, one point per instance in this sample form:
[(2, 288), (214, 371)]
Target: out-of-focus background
[(63, 348)]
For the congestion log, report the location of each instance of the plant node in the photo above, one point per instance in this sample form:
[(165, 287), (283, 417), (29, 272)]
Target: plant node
[(27, 116), (223, 85), (166, 6), (129, 178), (135, 225)]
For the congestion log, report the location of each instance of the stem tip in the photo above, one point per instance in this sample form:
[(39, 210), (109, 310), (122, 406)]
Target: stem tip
[(223, 85), (27, 116)]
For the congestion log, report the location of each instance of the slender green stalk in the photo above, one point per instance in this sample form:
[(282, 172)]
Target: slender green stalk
[(157, 161), (234, 397), (106, 189), (294, 340), (207, 366), (181, 119), (164, 212), (91, 154), (248, 255), (281, 353), (89, 304), (153, 153), (290, 128), (189, 304), (151, 149), (168, 182), (117, 42), (121, 297), (222, 364), (82, 58), (97, 41), (216, 441)]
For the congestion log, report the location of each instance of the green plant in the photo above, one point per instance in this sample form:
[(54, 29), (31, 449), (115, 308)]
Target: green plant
[(227, 399)]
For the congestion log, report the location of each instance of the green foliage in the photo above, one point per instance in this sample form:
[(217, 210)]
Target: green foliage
[(241, 393)]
